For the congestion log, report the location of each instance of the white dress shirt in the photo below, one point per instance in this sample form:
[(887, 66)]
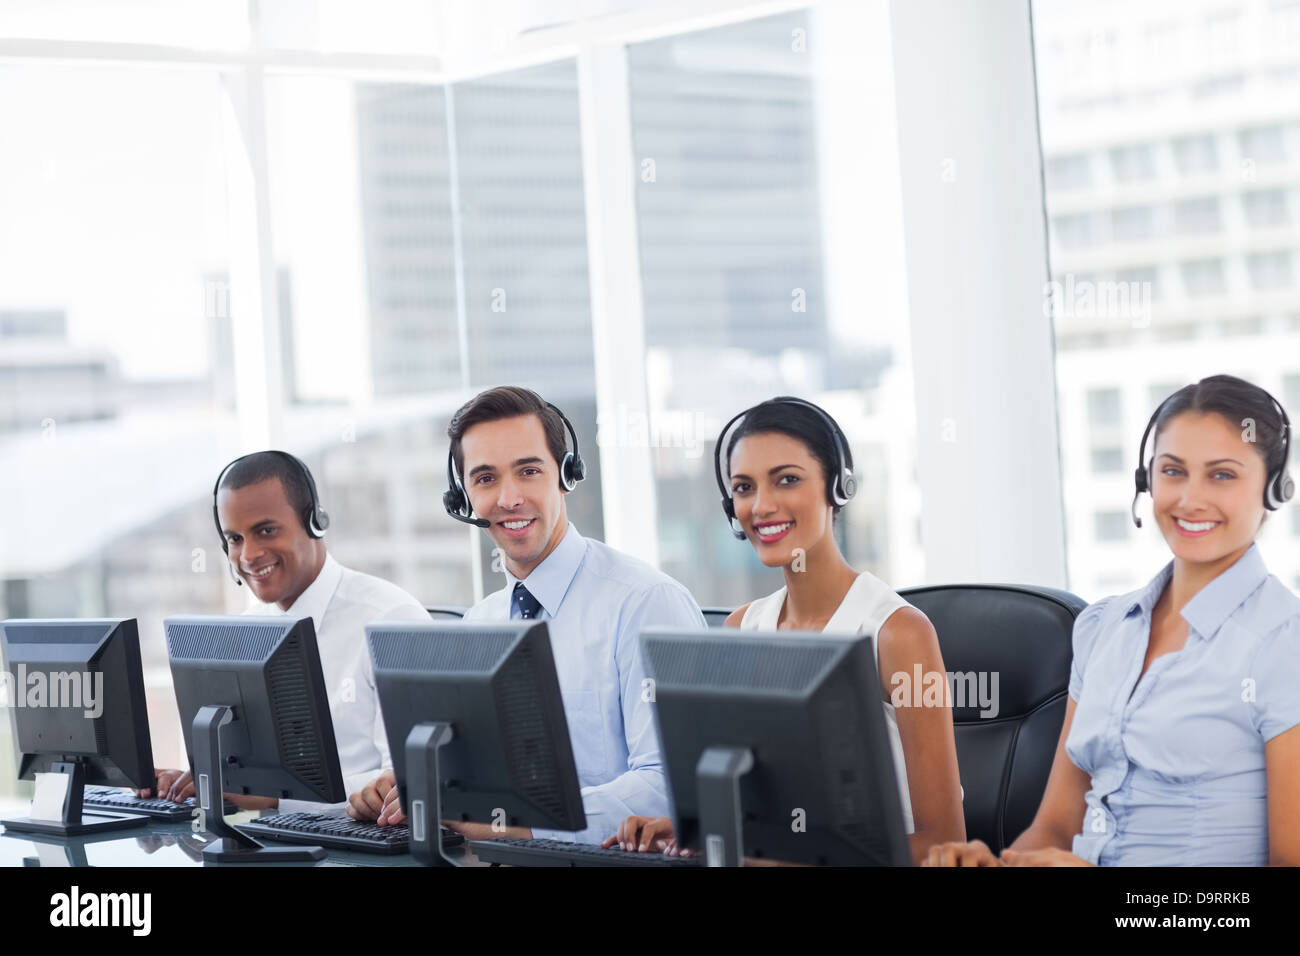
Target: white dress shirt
[(340, 603), (596, 601)]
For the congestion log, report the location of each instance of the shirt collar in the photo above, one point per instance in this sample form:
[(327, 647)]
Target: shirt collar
[(1145, 599), (550, 580), (316, 598), (1214, 603)]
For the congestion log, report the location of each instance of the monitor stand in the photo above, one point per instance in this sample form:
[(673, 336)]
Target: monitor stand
[(72, 822), (424, 790), (229, 845), (717, 782)]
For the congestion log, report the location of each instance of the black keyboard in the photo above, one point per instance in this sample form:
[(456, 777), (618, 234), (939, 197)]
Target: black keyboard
[(514, 851), (125, 801), (338, 832)]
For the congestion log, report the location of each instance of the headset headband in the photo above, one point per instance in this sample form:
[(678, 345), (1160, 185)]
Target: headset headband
[(1278, 486), (315, 520), (456, 499)]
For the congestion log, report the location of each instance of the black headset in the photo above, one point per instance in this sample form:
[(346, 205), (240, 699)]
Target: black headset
[(842, 487), (455, 499), (314, 518), (1278, 489)]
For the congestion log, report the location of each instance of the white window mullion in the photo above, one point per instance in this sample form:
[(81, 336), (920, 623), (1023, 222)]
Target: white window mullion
[(617, 320)]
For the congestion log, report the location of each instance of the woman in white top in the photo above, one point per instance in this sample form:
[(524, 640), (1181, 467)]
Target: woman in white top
[(784, 470)]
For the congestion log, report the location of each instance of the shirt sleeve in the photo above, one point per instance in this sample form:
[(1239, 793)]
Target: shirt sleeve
[(1087, 627), (1276, 675), (643, 789)]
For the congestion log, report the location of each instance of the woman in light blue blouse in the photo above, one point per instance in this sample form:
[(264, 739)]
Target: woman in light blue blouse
[(1181, 743)]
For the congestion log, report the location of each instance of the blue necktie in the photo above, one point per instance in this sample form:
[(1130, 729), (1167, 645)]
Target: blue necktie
[(529, 607)]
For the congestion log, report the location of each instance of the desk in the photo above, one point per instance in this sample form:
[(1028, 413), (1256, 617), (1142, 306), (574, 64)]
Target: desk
[(159, 843)]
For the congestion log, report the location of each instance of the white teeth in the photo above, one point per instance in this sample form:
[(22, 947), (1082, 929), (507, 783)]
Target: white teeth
[(516, 525), (262, 573), (1195, 526), (768, 530)]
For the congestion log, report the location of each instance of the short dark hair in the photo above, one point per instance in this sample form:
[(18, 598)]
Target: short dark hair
[(264, 465), (506, 401), (791, 417), (1236, 400)]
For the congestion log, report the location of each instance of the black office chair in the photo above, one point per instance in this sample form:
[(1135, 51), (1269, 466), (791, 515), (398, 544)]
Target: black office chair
[(446, 611), (1023, 634), (716, 616)]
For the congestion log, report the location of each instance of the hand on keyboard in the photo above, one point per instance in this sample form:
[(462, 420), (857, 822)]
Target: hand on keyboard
[(174, 785), (377, 801), (647, 835)]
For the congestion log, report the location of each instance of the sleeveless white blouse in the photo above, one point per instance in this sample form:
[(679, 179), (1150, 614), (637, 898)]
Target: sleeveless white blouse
[(864, 610)]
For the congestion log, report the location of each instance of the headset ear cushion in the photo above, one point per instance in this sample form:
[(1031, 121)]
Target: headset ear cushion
[(322, 519), (1140, 479), (577, 468), (452, 501), (849, 484), (1288, 487)]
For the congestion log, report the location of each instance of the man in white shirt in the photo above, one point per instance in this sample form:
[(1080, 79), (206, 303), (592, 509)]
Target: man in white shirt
[(510, 447), (272, 529)]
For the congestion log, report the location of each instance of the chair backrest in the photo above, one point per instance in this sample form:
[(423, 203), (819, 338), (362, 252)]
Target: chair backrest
[(716, 616), (445, 611), (1007, 648)]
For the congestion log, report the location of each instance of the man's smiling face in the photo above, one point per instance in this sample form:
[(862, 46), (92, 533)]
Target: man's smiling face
[(513, 481), (269, 548)]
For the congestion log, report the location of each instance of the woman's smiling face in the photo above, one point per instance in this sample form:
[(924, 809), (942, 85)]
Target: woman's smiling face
[(1207, 487), (779, 491)]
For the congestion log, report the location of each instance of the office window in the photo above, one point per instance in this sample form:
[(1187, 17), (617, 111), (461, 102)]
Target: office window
[(426, 263), (1133, 223), (1133, 163), (116, 352), (1077, 230), (1203, 277), (1104, 406), (1197, 216), (1143, 279), (1196, 155), (1070, 172), (1229, 303), (730, 196), (1262, 145), (1270, 270), (1107, 460), (1265, 208), (1111, 525)]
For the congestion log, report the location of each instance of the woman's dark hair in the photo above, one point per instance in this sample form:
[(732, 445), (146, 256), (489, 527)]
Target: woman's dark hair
[(791, 417), (1242, 403)]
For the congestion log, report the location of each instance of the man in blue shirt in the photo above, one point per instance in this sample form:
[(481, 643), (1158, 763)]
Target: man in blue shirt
[(510, 447)]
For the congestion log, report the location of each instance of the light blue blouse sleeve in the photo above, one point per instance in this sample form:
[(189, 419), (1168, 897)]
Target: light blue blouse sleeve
[(1087, 628), (1276, 672)]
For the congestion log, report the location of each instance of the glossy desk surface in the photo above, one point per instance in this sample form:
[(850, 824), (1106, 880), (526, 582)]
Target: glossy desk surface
[(159, 843)]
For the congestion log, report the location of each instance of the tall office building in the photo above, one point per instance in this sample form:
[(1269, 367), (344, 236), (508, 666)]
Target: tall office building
[(1171, 135), (47, 381)]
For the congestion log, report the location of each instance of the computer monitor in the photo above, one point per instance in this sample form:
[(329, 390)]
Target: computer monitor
[(476, 727), (76, 693), (256, 721), (775, 746)]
